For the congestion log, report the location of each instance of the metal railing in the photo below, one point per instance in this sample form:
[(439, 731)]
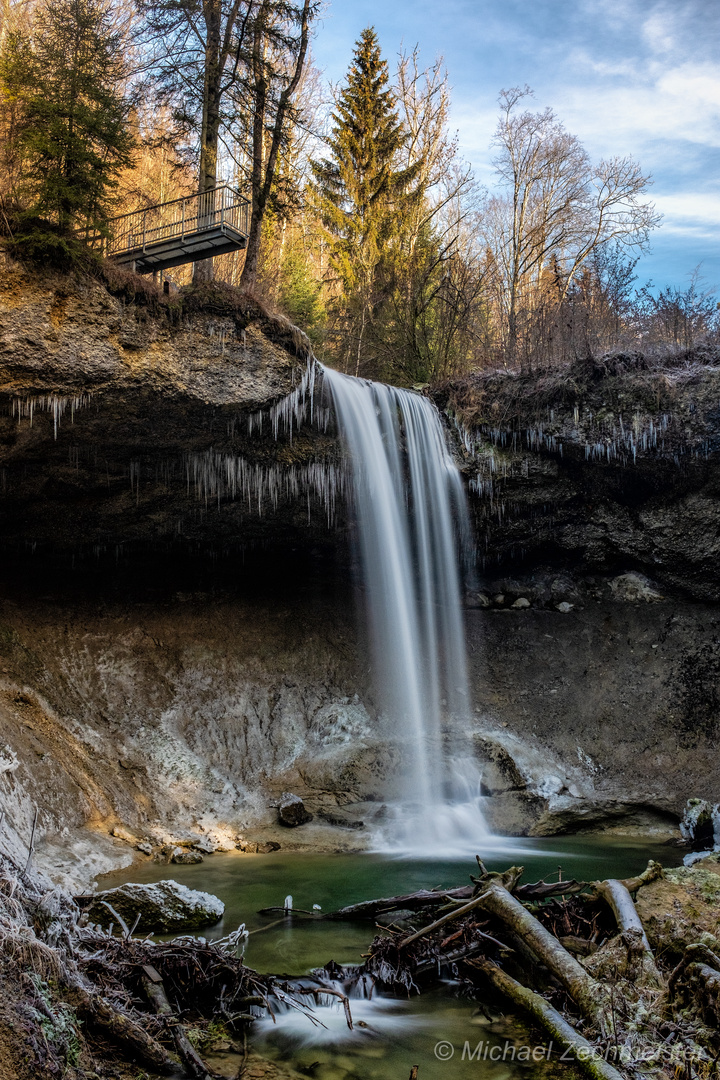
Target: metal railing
[(222, 207)]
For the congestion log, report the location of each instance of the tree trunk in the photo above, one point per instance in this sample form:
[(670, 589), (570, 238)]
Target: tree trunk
[(260, 95), (263, 171), (584, 1052), (630, 926), (588, 995), (120, 1027), (194, 1065), (210, 134)]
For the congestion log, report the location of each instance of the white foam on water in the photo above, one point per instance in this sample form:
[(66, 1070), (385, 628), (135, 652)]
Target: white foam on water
[(373, 1015)]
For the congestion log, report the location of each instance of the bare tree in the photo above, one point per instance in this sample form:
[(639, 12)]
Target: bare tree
[(682, 318), (230, 69), (280, 39), (555, 206)]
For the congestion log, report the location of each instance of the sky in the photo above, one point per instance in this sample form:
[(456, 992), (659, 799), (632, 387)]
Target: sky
[(637, 77)]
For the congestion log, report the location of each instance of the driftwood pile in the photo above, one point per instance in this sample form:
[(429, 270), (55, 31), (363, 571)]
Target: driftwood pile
[(76, 985), (572, 956)]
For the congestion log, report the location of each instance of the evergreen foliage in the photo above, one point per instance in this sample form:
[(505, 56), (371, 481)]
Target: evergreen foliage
[(361, 192), (72, 132), (301, 293)]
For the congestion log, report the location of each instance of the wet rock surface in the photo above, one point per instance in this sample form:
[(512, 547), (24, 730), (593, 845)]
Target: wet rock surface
[(597, 718), (612, 699), (173, 659)]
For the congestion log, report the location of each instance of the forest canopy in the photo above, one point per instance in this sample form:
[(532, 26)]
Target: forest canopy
[(366, 227)]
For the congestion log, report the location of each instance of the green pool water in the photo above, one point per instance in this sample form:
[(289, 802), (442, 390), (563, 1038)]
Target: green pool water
[(390, 1034)]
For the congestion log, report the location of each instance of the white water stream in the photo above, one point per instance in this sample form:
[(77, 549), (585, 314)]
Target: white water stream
[(412, 522)]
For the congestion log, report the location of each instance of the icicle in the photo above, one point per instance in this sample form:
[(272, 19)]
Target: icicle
[(228, 476), (57, 404)]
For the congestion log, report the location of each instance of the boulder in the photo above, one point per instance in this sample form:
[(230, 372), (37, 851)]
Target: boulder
[(700, 825), (521, 602), (563, 590), (186, 858), (632, 587), (206, 845), (291, 811), (342, 818), (165, 907), (254, 847)]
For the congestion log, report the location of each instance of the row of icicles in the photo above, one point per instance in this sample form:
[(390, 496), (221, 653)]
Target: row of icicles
[(216, 476)]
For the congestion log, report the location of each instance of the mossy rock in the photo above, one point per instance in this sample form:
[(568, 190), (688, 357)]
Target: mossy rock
[(682, 908)]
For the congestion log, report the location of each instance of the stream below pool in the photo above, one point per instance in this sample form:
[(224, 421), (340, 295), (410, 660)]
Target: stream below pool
[(390, 1034)]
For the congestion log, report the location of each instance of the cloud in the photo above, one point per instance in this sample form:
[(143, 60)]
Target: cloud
[(690, 214), (628, 77), (627, 107)]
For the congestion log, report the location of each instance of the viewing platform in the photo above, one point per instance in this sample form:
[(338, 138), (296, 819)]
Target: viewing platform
[(182, 231)]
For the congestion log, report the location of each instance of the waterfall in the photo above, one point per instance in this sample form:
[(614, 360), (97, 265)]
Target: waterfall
[(411, 520)]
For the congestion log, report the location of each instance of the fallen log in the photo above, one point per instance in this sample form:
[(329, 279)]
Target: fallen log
[(544, 890), (451, 916), (370, 909), (121, 1028), (652, 872), (448, 959), (426, 898), (629, 923), (589, 995), (586, 1055), (578, 945)]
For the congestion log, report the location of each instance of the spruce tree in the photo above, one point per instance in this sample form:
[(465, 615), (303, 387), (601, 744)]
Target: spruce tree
[(72, 134), (361, 192)]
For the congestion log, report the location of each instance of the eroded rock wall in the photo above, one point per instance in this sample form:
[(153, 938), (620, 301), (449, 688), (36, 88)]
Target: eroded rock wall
[(196, 712), (182, 646), (610, 465), (193, 713)]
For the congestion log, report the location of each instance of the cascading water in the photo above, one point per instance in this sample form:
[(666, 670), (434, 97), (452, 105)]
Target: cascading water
[(411, 519)]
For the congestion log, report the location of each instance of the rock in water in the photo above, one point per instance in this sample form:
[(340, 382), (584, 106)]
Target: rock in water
[(291, 810), (164, 907), (186, 858)]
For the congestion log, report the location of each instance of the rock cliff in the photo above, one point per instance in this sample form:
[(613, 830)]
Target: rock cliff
[(132, 420), (178, 643), (611, 465)]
